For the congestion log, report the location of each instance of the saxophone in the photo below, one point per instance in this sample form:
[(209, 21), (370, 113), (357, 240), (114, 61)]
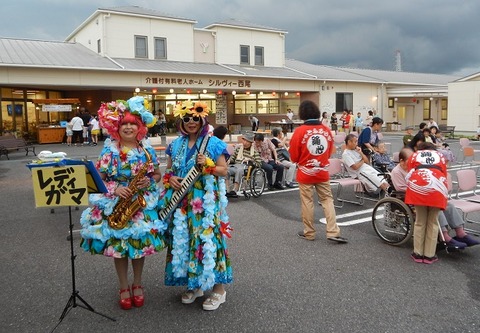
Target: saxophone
[(126, 208)]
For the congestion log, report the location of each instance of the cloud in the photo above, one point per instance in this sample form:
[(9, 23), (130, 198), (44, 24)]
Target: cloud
[(433, 36)]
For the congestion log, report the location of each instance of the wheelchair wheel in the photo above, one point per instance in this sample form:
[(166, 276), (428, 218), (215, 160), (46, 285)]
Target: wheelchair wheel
[(257, 182), (393, 221)]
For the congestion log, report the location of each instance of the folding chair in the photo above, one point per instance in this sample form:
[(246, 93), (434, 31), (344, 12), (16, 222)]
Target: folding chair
[(336, 171), (339, 140), (467, 181)]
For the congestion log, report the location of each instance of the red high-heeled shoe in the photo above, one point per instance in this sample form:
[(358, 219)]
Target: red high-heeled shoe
[(139, 300), (125, 303)]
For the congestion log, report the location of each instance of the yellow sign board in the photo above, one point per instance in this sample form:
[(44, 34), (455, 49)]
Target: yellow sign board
[(60, 186)]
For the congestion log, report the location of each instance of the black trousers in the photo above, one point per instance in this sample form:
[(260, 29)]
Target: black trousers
[(269, 167)]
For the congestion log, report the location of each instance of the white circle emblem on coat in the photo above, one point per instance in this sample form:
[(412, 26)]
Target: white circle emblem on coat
[(317, 144)]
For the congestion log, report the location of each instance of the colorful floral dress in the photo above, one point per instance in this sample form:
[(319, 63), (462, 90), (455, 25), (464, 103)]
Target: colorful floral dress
[(143, 234), (197, 249)]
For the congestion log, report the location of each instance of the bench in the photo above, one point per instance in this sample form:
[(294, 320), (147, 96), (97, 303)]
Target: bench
[(447, 130), (10, 143)]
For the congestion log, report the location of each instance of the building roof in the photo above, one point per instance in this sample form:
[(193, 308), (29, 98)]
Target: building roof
[(470, 77), (133, 11), (52, 54), (140, 11), (233, 23), (45, 54), (330, 73)]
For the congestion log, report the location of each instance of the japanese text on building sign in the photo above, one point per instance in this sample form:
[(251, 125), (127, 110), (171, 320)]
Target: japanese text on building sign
[(192, 82), (60, 186)]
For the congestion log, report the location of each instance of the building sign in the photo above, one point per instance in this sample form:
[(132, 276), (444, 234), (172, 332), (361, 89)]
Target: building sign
[(56, 108), (221, 110), (60, 186), (214, 83)]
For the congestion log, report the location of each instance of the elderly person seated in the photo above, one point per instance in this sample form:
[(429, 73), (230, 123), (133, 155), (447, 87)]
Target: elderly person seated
[(243, 154), (270, 161), (280, 142), (357, 166), (381, 159), (449, 217)]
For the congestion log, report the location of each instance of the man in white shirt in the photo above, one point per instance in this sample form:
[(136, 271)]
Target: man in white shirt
[(431, 123), (357, 166), (254, 122), (290, 114)]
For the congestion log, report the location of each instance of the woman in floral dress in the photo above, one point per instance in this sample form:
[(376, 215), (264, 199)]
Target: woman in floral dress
[(119, 163), (197, 249)]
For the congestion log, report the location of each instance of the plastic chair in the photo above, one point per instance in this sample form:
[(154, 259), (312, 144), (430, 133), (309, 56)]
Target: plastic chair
[(335, 170), (467, 181), (339, 140)]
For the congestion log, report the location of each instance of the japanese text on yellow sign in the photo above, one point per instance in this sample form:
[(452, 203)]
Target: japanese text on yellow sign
[(60, 186)]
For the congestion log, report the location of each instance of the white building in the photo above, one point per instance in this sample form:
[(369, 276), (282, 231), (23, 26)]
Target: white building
[(238, 68), (464, 103)]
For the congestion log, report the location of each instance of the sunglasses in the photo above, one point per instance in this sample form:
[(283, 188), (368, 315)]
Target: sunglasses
[(187, 119)]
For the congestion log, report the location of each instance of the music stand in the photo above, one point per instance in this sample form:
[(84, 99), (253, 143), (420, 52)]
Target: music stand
[(94, 184)]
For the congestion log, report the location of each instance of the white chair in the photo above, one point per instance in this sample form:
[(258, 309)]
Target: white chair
[(467, 181), (335, 169), (339, 140)]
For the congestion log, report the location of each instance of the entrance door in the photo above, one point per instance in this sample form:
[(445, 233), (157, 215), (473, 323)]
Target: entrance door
[(405, 116), (12, 117)]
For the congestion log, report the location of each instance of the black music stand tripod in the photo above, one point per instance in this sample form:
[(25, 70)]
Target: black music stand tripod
[(72, 301)]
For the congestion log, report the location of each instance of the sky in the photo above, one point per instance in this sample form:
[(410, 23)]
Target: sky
[(433, 36)]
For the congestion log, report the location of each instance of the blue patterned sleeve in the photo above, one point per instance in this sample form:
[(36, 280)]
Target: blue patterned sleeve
[(217, 147)]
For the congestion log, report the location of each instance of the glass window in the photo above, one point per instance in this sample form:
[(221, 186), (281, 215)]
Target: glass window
[(343, 101), (99, 46), (141, 47), (258, 56), (426, 109), (160, 48), (244, 55), (444, 111)]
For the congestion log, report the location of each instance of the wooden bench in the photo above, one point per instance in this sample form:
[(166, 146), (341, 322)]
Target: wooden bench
[(447, 130), (10, 143), (160, 150)]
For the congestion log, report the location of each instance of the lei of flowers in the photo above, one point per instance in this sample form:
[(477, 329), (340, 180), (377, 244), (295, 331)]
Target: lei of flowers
[(180, 239), (209, 249), (209, 166), (180, 244), (166, 178), (111, 113), (188, 107)]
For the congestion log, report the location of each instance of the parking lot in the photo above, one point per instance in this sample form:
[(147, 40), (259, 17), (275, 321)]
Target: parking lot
[(281, 282)]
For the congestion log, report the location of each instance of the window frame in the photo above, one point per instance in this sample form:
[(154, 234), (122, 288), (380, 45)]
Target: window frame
[(260, 57), (137, 39), (164, 40), (247, 48), (344, 105)]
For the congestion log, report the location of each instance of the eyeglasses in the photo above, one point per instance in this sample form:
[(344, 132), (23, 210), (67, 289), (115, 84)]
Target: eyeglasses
[(187, 119)]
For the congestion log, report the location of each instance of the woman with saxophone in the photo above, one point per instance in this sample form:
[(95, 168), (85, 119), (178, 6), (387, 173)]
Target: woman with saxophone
[(123, 223), (194, 203)]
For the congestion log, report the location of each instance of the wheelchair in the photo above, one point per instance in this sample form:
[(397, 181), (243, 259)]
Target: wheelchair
[(253, 181), (393, 220)]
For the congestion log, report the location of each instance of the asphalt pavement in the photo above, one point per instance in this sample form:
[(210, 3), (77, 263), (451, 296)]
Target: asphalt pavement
[(281, 282)]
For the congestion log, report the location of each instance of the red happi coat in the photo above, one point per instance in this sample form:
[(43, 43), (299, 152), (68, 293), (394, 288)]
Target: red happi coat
[(310, 147), (427, 179)]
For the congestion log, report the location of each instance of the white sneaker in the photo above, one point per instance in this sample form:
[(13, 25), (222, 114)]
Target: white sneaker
[(190, 296), (214, 301)]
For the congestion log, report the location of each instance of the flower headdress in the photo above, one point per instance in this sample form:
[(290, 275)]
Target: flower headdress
[(110, 114), (188, 107)]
